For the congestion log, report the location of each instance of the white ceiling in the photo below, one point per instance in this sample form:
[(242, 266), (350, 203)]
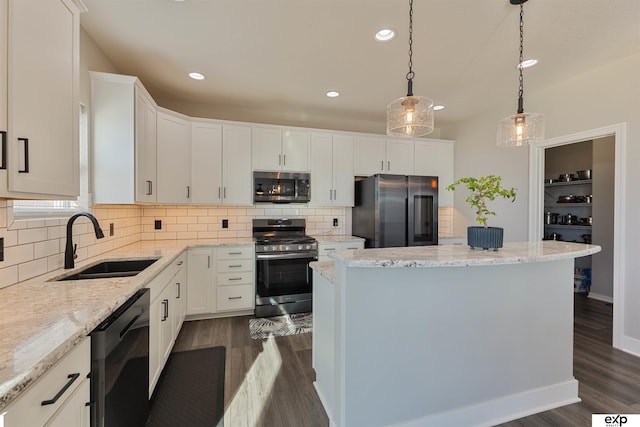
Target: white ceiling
[(279, 57)]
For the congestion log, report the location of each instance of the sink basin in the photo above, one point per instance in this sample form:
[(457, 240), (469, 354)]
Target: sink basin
[(112, 268)]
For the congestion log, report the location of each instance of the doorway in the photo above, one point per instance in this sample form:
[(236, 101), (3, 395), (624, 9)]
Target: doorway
[(536, 204)]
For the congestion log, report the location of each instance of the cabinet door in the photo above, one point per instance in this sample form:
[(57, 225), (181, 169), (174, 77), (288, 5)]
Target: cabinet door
[(435, 158), (322, 169), (200, 285), (399, 157), (75, 412), (179, 284), (237, 175), (3, 96), (145, 146), (43, 73), (343, 183), (206, 163), (267, 148), (295, 151), (167, 316), (370, 155), (174, 159)]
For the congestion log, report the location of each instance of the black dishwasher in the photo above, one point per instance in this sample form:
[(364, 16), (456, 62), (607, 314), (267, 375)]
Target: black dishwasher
[(120, 366)]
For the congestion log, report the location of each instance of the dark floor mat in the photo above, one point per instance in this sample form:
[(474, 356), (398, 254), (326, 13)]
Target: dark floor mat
[(190, 391)]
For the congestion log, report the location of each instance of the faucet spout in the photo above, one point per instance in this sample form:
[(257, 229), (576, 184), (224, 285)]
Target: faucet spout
[(69, 251)]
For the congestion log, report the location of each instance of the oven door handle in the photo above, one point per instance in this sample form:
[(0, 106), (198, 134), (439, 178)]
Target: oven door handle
[(293, 255)]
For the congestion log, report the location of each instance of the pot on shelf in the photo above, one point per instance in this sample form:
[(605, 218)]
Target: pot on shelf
[(584, 174)]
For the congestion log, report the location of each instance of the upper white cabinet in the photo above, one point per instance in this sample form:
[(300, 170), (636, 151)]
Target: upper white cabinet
[(173, 157), (220, 164), (237, 176), (206, 163), (375, 154), (331, 169), (123, 123), (435, 158), (280, 149), (39, 70)]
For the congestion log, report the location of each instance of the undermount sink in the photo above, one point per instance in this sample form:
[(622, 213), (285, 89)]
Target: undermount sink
[(112, 268)]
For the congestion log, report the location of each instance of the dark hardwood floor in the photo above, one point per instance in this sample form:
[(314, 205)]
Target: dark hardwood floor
[(269, 382)]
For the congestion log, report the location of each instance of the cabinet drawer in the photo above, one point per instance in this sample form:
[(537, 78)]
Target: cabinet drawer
[(228, 266), (235, 252), (235, 297), (28, 410), (240, 278)]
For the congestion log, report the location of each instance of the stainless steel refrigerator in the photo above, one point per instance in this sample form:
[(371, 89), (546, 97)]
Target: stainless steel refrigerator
[(396, 210)]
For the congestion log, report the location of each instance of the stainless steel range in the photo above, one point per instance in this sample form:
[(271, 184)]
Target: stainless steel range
[(283, 276)]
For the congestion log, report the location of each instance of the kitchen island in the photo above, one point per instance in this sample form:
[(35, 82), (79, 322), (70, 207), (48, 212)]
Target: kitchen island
[(445, 335)]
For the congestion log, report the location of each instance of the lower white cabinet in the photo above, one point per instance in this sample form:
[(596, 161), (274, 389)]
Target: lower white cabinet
[(68, 377), (221, 280), (165, 316), (327, 247)]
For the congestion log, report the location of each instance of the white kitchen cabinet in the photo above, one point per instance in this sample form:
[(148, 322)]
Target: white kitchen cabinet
[(173, 157), (327, 247), (332, 170), (399, 157), (200, 281), (39, 49), (70, 409), (237, 177), (123, 123), (220, 164), (374, 154), (280, 150), (435, 158), (235, 281), (165, 318), (206, 163)]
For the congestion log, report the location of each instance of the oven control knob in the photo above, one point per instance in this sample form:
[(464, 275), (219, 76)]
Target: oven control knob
[(287, 248), (307, 247), (300, 247)]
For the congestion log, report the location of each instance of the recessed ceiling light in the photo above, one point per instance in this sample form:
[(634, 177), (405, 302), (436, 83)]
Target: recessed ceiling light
[(333, 94), (438, 107), (385, 35), (196, 76), (527, 63)]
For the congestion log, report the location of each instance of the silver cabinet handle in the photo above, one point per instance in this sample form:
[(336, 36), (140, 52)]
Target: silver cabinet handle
[(149, 187), (330, 197), (165, 303), (218, 192), (234, 253), (179, 262), (178, 285), (330, 249), (279, 159), (26, 155), (208, 261), (235, 297), (353, 248), (334, 194), (188, 191), (388, 165), (225, 192), (235, 266), (381, 165), (235, 278), (284, 160)]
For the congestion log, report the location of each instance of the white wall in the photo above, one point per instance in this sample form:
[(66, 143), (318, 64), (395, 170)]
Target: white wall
[(601, 97)]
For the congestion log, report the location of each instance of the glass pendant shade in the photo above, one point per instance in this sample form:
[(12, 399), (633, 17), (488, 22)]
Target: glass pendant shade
[(410, 116), (520, 129)]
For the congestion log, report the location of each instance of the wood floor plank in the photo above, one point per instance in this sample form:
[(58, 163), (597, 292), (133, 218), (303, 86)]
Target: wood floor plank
[(270, 382)]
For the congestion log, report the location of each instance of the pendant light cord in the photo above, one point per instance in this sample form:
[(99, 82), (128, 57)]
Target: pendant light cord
[(520, 67), (410, 74)]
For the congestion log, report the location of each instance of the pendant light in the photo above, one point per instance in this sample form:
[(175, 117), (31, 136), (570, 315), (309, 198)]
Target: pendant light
[(410, 116), (521, 128)]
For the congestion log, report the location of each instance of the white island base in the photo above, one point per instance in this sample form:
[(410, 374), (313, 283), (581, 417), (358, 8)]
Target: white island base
[(437, 336)]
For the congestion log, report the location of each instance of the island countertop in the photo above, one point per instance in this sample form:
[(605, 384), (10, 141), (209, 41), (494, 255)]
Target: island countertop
[(462, 255), (41, 320)]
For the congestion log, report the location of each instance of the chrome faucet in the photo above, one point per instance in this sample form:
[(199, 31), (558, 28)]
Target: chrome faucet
[(70, 249)]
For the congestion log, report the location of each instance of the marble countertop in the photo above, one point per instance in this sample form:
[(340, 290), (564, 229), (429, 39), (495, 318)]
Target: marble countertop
[(462, 255), (325, 268), (41, 320)]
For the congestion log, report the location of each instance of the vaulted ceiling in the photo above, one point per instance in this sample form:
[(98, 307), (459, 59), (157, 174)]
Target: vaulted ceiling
[(278, 58)]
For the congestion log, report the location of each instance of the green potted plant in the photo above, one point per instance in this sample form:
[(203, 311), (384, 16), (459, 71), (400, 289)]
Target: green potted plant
[(482, 190)]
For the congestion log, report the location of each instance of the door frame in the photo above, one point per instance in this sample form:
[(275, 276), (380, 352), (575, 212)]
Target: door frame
[(536, 207)]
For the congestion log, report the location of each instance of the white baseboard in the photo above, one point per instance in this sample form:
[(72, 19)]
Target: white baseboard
[(503, 409), (631, 345), (326, 407), (599, 297)]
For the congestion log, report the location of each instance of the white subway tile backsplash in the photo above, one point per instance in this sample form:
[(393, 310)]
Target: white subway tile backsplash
[(31, 269)]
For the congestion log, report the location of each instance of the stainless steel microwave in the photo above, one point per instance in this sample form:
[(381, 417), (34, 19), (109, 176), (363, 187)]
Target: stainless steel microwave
[(281, 187)]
